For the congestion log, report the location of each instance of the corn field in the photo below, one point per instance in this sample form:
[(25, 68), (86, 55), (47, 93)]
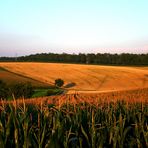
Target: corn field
[(84, 125)]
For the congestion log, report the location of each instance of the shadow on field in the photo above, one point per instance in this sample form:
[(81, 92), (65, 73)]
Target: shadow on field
[(69, 85)]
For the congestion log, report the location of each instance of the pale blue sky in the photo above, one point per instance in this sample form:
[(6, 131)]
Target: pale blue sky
[(73, 26)]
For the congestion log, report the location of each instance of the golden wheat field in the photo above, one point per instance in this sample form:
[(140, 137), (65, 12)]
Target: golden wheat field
[(85, 78), (12, 78), (93, 84)]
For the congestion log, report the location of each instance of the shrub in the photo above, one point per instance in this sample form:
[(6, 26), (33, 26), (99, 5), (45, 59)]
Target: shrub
[(22, 90), (59, 82)]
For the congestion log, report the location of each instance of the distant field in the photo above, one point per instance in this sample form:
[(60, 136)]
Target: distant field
[(12, 78), (84, 77)]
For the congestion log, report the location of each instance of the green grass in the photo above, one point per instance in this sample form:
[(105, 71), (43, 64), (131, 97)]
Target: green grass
[(75, 126), (46, 92), (40, 93)]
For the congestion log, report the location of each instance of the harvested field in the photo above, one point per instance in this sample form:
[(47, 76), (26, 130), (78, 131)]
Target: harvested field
[(12, 78), (85, 77)]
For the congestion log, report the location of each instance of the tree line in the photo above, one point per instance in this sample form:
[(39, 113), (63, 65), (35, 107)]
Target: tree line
[(104, 59)]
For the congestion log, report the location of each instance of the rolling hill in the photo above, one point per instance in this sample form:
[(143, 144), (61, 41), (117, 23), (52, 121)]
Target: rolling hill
[(12, 78), (83, 77)]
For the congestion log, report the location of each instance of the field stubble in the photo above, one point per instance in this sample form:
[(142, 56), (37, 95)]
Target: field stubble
[(85, 77)]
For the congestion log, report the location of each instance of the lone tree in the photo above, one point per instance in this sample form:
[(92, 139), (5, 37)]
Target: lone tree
[(59, 82)]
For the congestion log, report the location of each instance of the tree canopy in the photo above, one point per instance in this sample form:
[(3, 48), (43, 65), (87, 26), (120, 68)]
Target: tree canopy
[(101, 59)]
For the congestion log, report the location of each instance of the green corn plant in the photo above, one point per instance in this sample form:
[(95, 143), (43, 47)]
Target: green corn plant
[(81, 125), (86, 136)]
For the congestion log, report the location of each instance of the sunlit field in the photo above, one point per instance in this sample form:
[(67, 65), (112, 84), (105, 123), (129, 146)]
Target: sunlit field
[(11, 78), (84, 77), (107, 107)]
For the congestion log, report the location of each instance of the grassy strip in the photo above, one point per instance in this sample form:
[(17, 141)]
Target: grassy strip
[(46, 92)]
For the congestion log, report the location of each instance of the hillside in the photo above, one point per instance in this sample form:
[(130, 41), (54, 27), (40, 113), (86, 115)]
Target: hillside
[(12, 78), (83, 77)]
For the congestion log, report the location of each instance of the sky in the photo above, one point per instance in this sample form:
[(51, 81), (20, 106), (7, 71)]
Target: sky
[(73, 26)]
